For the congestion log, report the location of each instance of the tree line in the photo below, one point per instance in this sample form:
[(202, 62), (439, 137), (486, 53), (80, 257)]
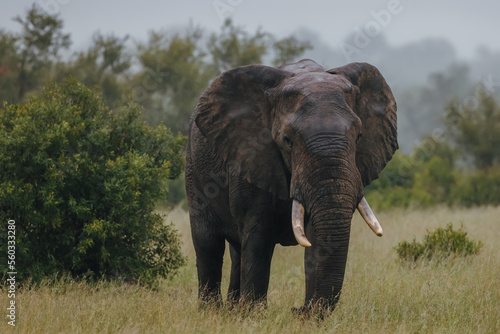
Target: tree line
[(458, 165), (165, 75)]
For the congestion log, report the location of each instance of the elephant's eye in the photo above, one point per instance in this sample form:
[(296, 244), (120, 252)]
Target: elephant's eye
[(359, 137), (287, 141)]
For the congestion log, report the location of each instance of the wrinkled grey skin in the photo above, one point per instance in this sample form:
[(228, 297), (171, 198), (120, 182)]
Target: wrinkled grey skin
[(261, 137)]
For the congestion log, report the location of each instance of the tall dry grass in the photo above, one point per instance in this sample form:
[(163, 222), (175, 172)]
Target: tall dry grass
[(380, 295)]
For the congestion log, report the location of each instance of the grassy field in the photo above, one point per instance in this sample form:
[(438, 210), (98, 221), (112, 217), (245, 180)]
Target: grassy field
[(379, 296)]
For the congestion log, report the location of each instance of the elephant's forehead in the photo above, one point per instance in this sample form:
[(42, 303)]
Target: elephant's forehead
[(315, 82)]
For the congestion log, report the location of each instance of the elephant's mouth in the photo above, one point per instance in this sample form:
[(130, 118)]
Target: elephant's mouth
[(298, 221)]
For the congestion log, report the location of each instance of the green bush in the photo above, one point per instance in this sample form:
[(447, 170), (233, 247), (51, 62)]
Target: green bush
[(397, 173), (440, 244), (478, 188), (81, 183), (408, 180), (423, 179)]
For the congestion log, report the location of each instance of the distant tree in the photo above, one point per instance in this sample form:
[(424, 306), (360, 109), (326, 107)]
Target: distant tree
[(475, 127), (173, 75), (288, 49), (8, 67), (104, 64), (420, 109), (235, 47), (38, 46), (430, 147), (170, 73)]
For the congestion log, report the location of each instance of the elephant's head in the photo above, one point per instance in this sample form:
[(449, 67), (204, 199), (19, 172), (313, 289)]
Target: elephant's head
[(312, 136)]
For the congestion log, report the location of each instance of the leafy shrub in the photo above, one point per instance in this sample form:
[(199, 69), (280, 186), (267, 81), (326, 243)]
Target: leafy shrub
[(408, 180), (442, 243), (436, 178), (397, 173), (478, 188), (81, 183)]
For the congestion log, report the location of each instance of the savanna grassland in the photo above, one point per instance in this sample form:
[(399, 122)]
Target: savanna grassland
[(380, 294)]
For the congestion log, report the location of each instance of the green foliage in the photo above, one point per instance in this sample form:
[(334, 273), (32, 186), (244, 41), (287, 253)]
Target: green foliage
[(436, 178), (440, 244), (429, 176), (37, 47), (235, 47), (8, 66), (288, 49), (82, 183), (476, 128), (431, 147), (170, 70), (408, 182), (477, 188), (173, 76), (103, 64), (425, 178), (397, 173)]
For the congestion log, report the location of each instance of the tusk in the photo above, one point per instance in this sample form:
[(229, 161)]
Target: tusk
[(369, 217), (298, 224)]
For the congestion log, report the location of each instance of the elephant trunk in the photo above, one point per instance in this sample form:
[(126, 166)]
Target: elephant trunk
[(330, 194), (325, 261)]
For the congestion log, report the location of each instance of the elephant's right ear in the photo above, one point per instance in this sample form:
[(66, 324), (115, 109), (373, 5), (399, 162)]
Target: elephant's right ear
[(234, 115)]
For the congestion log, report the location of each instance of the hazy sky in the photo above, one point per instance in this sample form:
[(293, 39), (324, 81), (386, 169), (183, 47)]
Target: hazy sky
[(467, 24)]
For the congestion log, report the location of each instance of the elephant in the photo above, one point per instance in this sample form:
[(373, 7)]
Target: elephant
[(282, 156)]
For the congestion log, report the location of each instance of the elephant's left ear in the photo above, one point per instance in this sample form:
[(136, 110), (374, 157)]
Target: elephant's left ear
[(376, 107), (234, 115)]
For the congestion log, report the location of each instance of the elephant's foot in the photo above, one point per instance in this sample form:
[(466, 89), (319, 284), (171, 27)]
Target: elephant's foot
[(316, 310)]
